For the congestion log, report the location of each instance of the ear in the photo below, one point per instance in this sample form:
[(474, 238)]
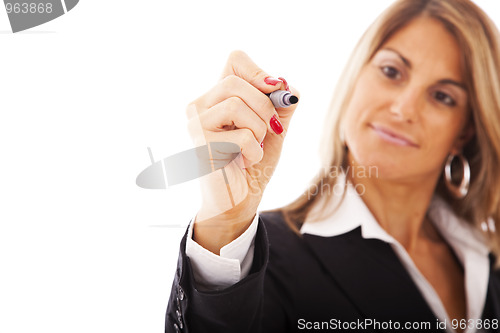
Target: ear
[(465, 136)]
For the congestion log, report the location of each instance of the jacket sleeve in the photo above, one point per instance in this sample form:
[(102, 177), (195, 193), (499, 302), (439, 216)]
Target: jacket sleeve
[(237, 308), (212, 271)]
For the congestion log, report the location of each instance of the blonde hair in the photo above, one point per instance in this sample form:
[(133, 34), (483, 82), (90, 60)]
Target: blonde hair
[(479, 41)]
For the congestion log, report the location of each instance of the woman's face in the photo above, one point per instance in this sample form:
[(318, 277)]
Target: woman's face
[(409, 106)]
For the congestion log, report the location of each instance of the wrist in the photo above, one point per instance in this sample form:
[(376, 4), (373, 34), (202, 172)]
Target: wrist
[(216, 232)]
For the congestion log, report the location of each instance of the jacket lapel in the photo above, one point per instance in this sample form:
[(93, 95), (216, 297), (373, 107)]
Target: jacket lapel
[(372, 276), (492, 307)]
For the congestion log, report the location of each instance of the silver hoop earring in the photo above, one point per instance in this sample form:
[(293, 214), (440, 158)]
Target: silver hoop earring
[(461, 190)]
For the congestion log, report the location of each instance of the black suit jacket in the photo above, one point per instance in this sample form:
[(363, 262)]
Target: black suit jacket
[(298, 282)]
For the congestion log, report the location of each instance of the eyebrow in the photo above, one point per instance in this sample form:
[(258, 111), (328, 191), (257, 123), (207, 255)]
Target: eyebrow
[(408, 64), (406, 61)]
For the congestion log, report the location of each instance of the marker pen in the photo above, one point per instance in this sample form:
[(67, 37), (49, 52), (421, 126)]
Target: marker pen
[(282, 98)]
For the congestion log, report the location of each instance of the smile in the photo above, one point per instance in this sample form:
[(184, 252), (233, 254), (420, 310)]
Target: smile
[(392, 137)]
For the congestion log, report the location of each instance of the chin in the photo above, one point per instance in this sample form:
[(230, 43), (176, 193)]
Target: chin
[(374, 162)]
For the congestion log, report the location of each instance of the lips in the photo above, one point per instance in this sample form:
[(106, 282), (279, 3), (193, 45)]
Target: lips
[(393, 136)]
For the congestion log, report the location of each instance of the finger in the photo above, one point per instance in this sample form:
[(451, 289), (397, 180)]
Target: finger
[(233, 113), (236, 86), (244, 138), (240, 64)]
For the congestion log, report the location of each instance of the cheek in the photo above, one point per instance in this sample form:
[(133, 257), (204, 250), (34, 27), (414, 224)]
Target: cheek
[(440, 134), (363, 102), (365, 106)]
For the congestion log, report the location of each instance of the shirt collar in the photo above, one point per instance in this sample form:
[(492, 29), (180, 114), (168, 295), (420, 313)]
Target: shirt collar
[(352, 213)]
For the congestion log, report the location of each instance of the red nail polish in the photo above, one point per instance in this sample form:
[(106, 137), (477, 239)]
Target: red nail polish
[(276, 125), (262, 144), (272, 81), (286, 83)]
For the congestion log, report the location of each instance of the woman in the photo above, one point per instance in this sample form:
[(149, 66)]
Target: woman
[(410, 243)]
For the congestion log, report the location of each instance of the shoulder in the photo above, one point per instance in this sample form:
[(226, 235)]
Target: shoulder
[(284, 243), (276, 226), (274, 218)]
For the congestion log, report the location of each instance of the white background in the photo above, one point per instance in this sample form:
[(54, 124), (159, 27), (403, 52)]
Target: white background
[(82, 248)]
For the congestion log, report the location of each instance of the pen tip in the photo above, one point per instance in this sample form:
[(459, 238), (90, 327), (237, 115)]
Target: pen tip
[(294, 99)]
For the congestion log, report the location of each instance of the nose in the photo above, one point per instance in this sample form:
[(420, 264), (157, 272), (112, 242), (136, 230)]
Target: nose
[(406, 104)]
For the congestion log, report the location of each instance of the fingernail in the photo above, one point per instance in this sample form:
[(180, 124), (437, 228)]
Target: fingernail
[(262, 144), (286, 83), (272, 81), (276, 125)]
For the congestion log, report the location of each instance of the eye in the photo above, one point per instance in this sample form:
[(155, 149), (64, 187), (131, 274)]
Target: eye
[(444, 98), (391, 72)]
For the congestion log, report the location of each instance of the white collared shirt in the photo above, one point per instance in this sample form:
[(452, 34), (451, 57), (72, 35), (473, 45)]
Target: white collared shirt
[(213, 272)]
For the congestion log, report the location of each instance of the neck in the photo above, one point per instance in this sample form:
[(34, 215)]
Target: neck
[(400, 207)]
